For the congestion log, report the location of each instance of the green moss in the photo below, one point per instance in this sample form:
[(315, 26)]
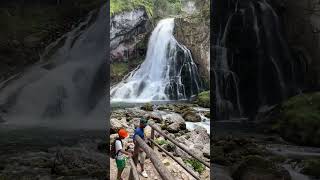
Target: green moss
[(197, 165), (161, 142), (119, 69), (117, 6), (299, 119), (203, 99), (147, 107), (312, 167)]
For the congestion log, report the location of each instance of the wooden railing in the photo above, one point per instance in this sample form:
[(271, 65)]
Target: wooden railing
[(161, 169), (154, 128)]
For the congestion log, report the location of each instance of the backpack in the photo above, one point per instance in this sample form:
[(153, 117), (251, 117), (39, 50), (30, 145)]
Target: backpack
[(113, 152)]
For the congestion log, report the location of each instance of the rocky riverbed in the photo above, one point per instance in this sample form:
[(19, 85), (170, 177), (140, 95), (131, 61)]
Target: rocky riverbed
[(241, 153), (44, 153), (182, 121)]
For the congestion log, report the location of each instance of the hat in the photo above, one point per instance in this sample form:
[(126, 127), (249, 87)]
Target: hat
[(143, 121), (123, 133)]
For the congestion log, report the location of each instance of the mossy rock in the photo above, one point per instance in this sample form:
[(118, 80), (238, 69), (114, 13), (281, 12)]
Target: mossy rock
[(147, 107), (258, 168), (311, 167), (203, 99), (299, 119)]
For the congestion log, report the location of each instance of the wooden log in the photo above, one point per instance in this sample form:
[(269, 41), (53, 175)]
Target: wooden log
[(175, 159), (152, 138), (162, 170), (179, 145), (133, 171)]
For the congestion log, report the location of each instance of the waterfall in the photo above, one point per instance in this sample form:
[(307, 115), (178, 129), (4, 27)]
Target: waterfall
[(167, 73), (254, 66), (67, 87)]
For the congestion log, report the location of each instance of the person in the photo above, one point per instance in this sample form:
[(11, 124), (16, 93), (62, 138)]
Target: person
[(139, 131), (120, 152)]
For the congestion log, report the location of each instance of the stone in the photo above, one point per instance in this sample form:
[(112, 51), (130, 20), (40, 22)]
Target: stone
[(191, 116), (173, 117), (116, 124), (176, 127)]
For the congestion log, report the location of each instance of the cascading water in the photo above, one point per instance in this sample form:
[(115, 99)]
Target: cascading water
[(168, 72), (67, 88), (254, 66)]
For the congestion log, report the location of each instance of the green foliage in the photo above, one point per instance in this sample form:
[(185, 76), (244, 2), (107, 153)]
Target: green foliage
[(147, 107), (197, 165), (161, 142), (299, 119), (167, 7), (203, 99), (312, 167), (117, 6), (119, 69)]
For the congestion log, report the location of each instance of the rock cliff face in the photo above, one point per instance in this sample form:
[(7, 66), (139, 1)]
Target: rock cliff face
[(193, 31), (128, 34)]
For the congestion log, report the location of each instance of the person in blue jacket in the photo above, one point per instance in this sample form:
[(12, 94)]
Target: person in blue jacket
[(139, 131)]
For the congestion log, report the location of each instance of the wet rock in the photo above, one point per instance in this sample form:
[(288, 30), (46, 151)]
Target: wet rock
[(176, 127), (191, 116), (256, 167)]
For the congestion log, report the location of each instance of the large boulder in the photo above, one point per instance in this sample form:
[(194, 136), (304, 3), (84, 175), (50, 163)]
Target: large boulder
[(191, 116), (257, 168), (116, 124), (173, 123), (176, 127), (172, 118)]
